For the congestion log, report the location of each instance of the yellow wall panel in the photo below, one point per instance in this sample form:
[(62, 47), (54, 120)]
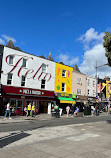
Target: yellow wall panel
[(108, 89), (59, 79)]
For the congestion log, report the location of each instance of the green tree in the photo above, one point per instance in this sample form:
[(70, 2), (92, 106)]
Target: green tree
[(107, 46)]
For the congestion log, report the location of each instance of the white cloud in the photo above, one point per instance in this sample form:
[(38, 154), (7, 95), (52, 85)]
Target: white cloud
[(91, 37), (68, 60), (93, 54), (2, 41), (7, 38)]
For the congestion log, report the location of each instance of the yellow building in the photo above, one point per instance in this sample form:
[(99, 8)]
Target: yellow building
[(108, 89), (63, 83)]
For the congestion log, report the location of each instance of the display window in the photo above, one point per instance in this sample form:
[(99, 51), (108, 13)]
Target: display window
[(16, 106)]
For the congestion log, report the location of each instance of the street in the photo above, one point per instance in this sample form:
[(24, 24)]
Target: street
[(56, 138)]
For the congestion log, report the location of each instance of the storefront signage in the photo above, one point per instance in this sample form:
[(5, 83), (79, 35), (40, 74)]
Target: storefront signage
[(98, 88), (29, 91), (38, 74), (64, 95)]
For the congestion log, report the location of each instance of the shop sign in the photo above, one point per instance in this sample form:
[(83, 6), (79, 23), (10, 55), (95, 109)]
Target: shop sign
[(30, 91), (36, 74), (73, 95), (98, 88), (64, 95)]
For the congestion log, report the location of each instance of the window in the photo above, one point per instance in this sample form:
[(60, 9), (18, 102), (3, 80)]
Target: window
[(11, 59), (63, 87), (79, 91), (23, 81), (42, 84), (63, 73), (43, 68), (88, 82), (93, 92), (79, 81), (93, 83), (88, 92), (24, 63), (9, 79)]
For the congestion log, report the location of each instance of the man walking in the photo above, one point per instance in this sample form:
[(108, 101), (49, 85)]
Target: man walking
[(7, 111)]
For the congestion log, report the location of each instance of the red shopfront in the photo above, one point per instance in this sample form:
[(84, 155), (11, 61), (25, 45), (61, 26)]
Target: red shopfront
[(20, 98)]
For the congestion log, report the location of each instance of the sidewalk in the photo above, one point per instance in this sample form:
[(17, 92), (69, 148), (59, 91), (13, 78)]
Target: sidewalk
[(41, 117)]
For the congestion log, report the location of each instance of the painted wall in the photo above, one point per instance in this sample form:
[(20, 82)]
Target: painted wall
[(76, 85), (59, 79), (33, 70), (108, 89)]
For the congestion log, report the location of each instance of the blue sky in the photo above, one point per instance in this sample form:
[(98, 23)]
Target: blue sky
[(71, 30)]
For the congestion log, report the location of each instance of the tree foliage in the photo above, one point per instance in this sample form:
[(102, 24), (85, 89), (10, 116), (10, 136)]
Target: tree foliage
[(107, 46)]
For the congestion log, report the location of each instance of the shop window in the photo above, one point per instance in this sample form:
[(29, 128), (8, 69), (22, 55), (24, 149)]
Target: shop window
[(16, 106), (43, 68), (42, 84), (11, 57), (79, 81), (23, 81), (63, 87), (9, 79), (79, 91), (24, 63), (63, 73)]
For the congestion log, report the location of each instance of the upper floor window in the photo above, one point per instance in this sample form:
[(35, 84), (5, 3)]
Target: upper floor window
[(42, 84), (88, 82), (24, 63), (23, 81), (11, 57), (93, 83), (63, 73), (93, 92), (88, 92), (43, 68), (79, 81), (79, 91), (9, 78), (63, 87)]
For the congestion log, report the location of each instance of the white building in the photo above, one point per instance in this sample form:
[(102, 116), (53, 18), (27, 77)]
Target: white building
[(26, 78), (90, 86)]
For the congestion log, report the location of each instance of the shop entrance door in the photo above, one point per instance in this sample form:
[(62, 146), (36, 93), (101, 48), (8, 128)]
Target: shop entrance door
[(43, 106)]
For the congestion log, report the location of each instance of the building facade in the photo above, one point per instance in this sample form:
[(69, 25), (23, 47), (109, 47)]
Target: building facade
[(26, 78), (79, 87), (91, 88), (63, 85)]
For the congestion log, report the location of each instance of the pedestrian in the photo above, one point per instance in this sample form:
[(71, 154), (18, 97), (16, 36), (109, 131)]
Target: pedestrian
[(108, 109), (72, 110), (29, 109), (67, 110), (33, 109), (76, 111), (7, 111)]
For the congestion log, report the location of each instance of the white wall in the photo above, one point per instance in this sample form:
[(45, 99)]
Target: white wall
[(32, 65)]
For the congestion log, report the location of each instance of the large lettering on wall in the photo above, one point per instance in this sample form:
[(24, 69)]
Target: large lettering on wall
[(34, 74)]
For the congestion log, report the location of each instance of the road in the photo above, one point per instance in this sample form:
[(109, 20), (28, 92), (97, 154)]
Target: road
[(57, 138)]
